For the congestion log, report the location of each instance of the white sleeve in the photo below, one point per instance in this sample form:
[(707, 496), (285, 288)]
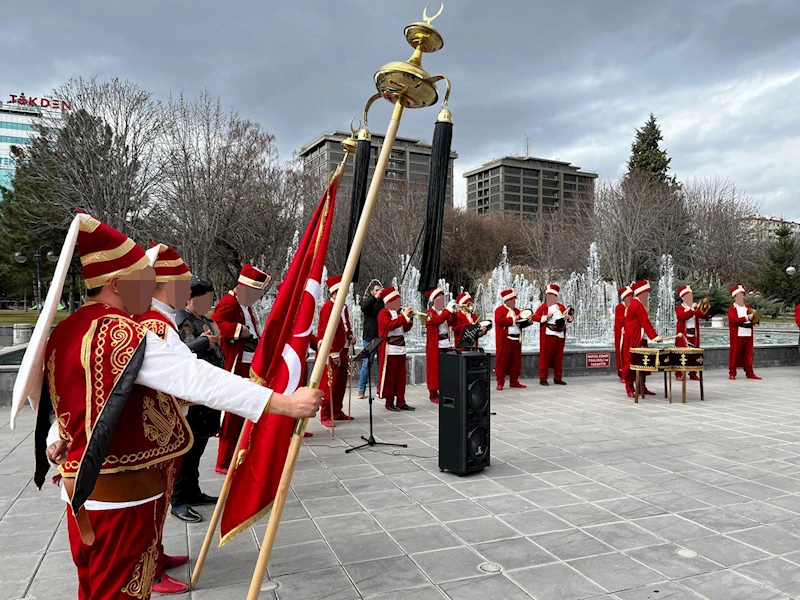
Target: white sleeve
[(53, 434), (176, 343), (193, 380)]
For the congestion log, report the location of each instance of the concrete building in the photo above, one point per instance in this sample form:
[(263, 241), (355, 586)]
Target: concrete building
[(526, 186), (764, 226), (409, 162), (18, 115)]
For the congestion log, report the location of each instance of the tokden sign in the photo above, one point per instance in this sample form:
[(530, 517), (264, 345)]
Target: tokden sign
[(598, 360), (39, 102)]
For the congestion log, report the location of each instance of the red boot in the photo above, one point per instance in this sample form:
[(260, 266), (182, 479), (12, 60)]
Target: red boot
[(433, 395), (678, 376), (694, 376), (517, 384), (752, 375), (500, 384), (170, 562)]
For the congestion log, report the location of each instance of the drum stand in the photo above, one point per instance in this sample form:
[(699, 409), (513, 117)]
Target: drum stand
[(684, 377), (639, 386)]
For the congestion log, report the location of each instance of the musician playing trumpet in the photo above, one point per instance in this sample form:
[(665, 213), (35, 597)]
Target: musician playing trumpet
[(552, 317), (438, 322), (740, 326), (508, 336), (393, 323), (687, 328)]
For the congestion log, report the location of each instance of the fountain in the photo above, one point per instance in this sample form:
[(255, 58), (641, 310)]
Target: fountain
[(594, 300), (665, 307)]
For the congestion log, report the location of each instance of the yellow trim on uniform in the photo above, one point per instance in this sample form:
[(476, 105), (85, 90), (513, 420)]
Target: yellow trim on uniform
[(169, 263), (106, 255), (259, 285), (101, 280)]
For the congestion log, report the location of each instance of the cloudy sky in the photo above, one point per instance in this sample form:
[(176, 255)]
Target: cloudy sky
[(576, 76)]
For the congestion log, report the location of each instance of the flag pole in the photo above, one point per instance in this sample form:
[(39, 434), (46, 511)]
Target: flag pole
[(406, 85)]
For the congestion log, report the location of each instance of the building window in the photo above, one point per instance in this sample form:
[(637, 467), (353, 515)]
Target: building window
[(494, 180), (418, 177), (568, 177), (530, 208), (550, 175), (512, 197), (7, 139), (529, 181), (512, 188), (420, 158), (511, 179), (472, 179), (420, 168), (16, 126), (495, 171), (530, 190), (550, 184), (495, 189), (513, 170)]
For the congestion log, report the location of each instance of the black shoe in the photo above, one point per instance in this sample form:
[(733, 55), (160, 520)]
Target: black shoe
[(543, 383), (559, 382), (186, 513), (406, 407), (393, 408), (203, 500)]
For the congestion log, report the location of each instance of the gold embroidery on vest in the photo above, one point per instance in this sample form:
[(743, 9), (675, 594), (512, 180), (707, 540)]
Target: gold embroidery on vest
[(159, 423), (144, 573), (157, 327), (121, 336), (63, 418)]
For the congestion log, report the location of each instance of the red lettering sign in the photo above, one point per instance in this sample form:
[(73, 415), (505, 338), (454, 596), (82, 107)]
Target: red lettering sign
[(598, 360), (24, 100)]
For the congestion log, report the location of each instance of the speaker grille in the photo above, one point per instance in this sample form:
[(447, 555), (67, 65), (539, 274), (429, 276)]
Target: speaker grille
[(478, 443), (478, 396)]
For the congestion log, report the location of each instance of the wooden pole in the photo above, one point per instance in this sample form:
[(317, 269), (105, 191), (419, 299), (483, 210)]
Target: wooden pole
[(323, 351), (212, 526)]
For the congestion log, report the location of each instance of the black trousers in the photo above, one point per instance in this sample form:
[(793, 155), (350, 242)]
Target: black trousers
[(187, 486)]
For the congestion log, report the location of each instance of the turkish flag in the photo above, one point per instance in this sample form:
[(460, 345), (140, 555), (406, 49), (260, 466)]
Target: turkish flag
[(278, 364)]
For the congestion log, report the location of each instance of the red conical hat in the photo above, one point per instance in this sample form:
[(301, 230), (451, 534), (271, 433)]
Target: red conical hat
[(168, 263), (253, 277), (334, 282), (106, 253), (431, 295)]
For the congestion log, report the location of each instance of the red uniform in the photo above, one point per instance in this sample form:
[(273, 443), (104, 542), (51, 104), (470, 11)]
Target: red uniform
[(392, 357), (741, 341), (687, 327), (95, 345), (797, 315), (551, 343), (462, 319), (437, 330), (619, 323), (230, 318), (508, 344), (637, 326), (334, 379)]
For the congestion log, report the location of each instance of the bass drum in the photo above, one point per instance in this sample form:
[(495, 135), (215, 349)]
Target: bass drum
[(523, 320)]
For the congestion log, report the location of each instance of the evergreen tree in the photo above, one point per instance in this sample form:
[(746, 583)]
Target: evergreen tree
[(781, 254), (648, 158)]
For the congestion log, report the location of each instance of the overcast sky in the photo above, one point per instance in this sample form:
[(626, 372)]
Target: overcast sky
[(577, 76)]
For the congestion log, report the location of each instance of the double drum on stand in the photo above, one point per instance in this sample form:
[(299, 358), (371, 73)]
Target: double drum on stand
[(464, 411)]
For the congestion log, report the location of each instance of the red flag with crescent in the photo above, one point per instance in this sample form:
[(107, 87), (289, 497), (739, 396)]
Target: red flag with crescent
[(278, 364)]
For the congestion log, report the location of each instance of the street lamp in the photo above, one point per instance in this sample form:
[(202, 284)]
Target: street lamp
[(790, 271), (22, 258)]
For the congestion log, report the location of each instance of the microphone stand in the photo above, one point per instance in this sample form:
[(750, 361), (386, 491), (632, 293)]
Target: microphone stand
[(366, 354)]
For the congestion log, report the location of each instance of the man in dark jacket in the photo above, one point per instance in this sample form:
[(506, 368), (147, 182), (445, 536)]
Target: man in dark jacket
[(200, 334), (371, 305)]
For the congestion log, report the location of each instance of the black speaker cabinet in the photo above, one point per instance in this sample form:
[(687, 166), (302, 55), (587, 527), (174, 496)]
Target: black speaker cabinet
[(464, 410)]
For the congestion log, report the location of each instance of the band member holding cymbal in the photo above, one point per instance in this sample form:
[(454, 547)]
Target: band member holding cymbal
[(553, 318), (464, 315), (508, 336), (687, 328), (740, 325), (437, 330)]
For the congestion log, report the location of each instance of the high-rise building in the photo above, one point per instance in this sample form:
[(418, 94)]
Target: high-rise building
[(765, 226), (18, 115), (409, 162), (526, 186)]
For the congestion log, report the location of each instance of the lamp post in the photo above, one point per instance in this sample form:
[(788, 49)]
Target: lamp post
[(21, 258), (790, 271)]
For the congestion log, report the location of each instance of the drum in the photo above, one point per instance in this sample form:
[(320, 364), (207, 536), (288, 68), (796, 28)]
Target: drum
[(523, 320), (686, 359), (645, 359), (485, 324)]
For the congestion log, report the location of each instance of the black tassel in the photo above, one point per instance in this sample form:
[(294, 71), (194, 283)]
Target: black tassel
[(437, 187), (360, 174)]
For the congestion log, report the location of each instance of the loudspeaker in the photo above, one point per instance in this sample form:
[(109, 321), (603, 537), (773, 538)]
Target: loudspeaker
[(464, 410)]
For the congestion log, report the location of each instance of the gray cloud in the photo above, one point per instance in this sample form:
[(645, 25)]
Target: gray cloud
[(578, 76)]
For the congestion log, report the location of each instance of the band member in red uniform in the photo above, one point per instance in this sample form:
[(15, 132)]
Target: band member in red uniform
[(625, 296), (238, 330), (637, 326), (464, 316), (740, 326), (437, 329), (552, 317), (117, 438), (392, 325), (334, 379), (508, 337), (687, 327)]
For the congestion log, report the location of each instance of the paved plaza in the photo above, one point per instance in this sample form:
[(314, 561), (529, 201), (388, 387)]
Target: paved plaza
[(588, 496)]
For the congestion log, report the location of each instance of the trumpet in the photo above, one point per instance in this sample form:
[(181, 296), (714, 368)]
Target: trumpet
[(704, 304), (416, 313), (468, 307)]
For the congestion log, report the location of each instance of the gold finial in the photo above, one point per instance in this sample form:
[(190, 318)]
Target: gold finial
[(428, 19), (349, 143)]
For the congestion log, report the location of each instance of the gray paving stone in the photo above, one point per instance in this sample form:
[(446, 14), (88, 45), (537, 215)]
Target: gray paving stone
[(666, 590), (364, 547), (403, 516), (550, 497), (455, 510), (673, 527), (336, 505), (483, 529), (571, 544), (516, 553), (450, 565), (384, 499), (331, 584), (484, 589), (631, 508), (721, 521), (776, 573), (427, 592), (615, 571), (768, 539), (584, 515), (505, 504), (593, 492), (725, 550), (555, 582), (425, 538), (729, 585), (295, 558), (623, 536), (535, 521), (339, 526)]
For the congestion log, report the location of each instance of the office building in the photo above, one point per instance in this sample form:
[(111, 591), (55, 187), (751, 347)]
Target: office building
[(526, 187), (409, 162)]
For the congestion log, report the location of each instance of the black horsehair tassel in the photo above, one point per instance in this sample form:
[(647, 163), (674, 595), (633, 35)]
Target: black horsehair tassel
[(359, 197)]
